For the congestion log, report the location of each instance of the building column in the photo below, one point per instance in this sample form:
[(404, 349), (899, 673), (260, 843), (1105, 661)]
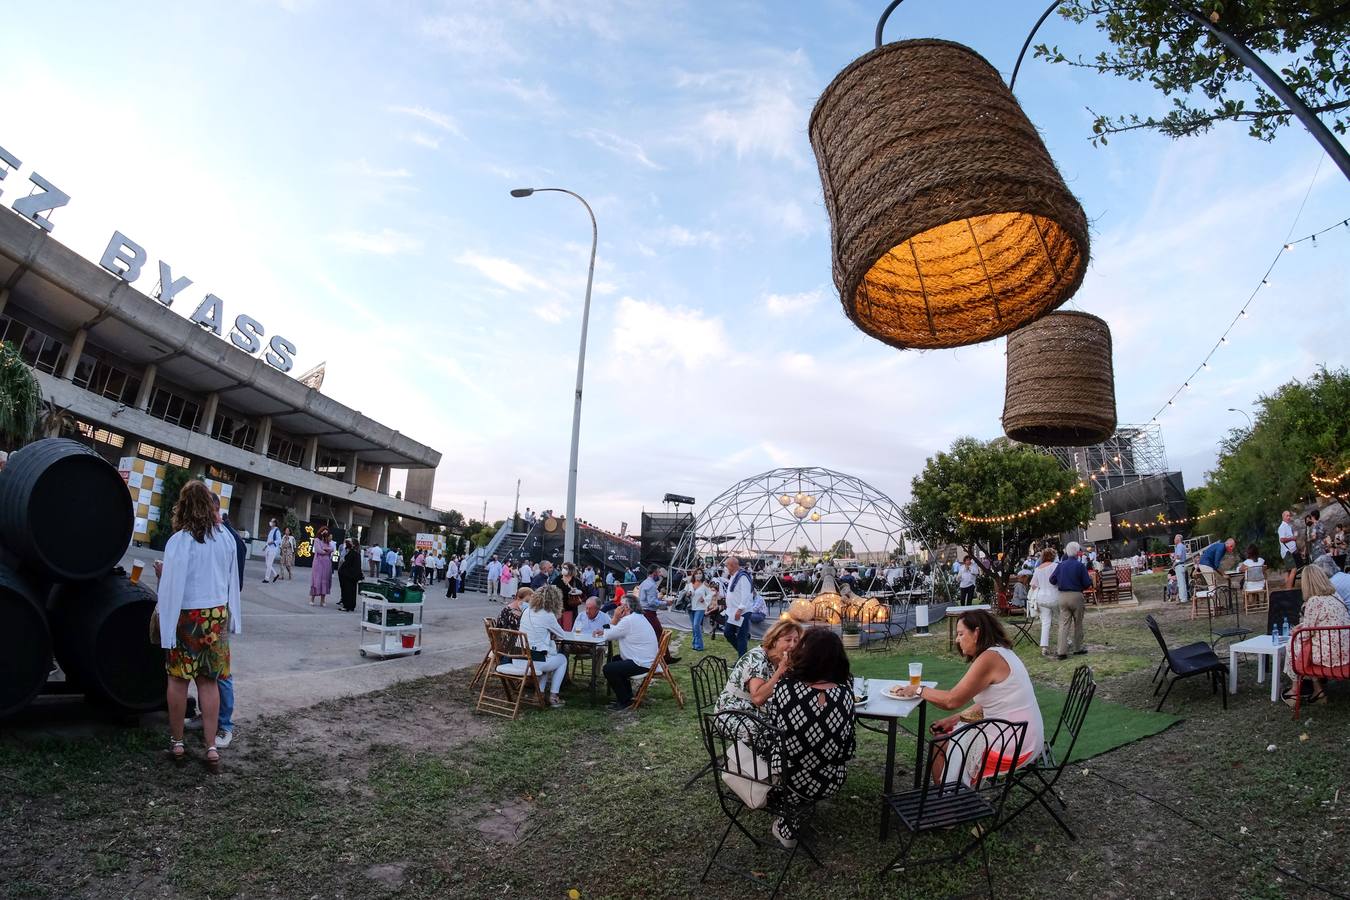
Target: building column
[(264, 435), (76, 351), (344, 513), (352, 462), (209, 413), (384, 480), (248, 502), (147, 387), (379, 528), (4, 299), (304, 505), (311, 454)]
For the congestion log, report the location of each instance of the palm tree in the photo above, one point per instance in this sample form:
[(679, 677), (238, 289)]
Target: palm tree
[(803, 553), (20, 398)]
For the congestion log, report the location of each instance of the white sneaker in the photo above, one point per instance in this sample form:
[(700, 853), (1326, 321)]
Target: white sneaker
[(223, 739), (776, 830), (193, 724)]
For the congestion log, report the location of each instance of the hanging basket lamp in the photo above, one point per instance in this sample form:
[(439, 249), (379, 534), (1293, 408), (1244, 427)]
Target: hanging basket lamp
[(949, 223), (1061, 389)]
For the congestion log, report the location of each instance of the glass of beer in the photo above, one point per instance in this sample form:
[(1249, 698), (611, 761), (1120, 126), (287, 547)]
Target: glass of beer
[(137, 567), (915, 674)]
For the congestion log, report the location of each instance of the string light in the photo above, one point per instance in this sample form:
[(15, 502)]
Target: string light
[(1331, 479), (1161, 521), (1029, 511), (1242, 312)]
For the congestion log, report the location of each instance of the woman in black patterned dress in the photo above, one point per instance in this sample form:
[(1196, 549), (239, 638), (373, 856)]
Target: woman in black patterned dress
[(813, 708)]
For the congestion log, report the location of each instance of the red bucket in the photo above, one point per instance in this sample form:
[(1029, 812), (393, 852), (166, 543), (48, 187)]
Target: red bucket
[(409, 641)]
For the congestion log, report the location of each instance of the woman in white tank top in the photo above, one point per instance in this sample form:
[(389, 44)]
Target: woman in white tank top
[(997, 687)]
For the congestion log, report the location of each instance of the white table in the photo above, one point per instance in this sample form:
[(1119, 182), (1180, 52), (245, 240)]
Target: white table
[(599, 649), (953, 612), (1260, 647), (891, 710)]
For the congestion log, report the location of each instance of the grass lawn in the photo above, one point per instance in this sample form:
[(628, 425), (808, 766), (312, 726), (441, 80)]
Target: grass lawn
[(406, 793)]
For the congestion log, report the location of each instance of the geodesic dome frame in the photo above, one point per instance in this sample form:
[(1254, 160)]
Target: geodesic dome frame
[(750, 520)]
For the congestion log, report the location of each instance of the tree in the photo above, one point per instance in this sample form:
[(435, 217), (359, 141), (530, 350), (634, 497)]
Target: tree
[(842, 548), (997, 480), (1153, 41), (20, 399), (1197, 501), (1297, 432), (803, 553), (174, 478), (453, 519)]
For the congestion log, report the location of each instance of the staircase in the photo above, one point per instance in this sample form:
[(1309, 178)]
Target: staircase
[(502, 545)]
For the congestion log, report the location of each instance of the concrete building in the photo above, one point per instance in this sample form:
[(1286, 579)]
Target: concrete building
[(138, 379)]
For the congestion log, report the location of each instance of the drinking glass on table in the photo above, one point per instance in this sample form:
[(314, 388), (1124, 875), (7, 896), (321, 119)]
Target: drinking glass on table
[(137, 567), (915, 673)]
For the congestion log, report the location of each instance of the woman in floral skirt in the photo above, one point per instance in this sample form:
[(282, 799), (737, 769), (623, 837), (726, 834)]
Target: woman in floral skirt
[(198, 608)]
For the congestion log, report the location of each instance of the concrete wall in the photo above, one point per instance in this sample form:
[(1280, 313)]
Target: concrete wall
[(420, 483)]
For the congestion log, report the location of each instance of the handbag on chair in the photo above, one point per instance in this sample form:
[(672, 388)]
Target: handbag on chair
[(741, 758)]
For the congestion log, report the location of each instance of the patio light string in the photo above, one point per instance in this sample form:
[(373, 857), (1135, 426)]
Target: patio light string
[(1287, 247), (1022, 514)]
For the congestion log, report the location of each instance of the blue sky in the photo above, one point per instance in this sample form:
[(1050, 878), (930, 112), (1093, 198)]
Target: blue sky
[(340, 172)]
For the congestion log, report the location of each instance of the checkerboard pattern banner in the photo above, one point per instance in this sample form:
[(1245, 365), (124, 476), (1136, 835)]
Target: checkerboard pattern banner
[(145, 481)]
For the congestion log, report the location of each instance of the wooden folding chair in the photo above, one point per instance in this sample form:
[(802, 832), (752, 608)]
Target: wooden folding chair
[(1255, 589), (488, 658), (660, 669), (514, 675)]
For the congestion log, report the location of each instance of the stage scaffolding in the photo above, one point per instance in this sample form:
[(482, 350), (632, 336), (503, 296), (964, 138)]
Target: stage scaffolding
[(1132, 453)]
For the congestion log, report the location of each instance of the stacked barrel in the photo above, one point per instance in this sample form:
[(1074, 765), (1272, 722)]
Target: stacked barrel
[(65, 522)]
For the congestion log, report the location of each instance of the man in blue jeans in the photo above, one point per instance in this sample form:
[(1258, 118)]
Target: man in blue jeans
[(739, 599)]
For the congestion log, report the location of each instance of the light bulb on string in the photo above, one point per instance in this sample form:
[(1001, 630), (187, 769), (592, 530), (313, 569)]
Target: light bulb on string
[(1288, 246), (1244, 312)]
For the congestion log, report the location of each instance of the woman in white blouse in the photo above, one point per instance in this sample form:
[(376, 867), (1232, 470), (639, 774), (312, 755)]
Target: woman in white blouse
[(1044, 596), (539, 622), (700, 595), (198, 607)]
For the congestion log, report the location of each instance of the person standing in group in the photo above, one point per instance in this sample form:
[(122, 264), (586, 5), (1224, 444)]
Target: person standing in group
[(699, 595), (739, 598), (544, 576), (419, 566), (526, 573), (321, 573), (1289, 546), (198, 607), (1211, 560), (270, 551), (1071, 578), (494, 578), (287, 556), (349, 576), (1315, 540), (1043, 598), (588, 578), (452, 578), (391, 562), (1338, 545), (506, 582), (966, 576), (373, 557), (1179, 566)]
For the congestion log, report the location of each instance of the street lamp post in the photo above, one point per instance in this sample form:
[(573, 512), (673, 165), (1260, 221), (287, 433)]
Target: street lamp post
[(1244, 412), (570, 535)]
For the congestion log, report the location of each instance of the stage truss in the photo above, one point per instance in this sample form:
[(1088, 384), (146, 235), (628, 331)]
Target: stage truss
[(1132, 453), (749, 519)]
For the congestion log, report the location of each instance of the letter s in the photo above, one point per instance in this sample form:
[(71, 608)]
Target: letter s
[(280, 354), (247, 334)]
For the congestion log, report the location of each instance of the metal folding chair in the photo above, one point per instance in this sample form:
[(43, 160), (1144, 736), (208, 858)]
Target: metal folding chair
[(709, 675), (978, 765), (1039, 777), (1198, 662)]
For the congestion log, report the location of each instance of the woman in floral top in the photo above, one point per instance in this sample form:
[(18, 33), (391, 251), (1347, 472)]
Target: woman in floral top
[(756, 674), (1321, 608)]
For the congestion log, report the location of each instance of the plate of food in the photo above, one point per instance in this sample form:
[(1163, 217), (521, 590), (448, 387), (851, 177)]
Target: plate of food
[(859, 700), (894, 692)]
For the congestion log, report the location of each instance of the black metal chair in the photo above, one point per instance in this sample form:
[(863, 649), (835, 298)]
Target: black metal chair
[(1235, 631), (1039, 777), (1188, 666), (731, 739), (709, 676), (981, 757)]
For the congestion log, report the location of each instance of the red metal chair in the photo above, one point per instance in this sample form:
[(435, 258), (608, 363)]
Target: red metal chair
[(1330, 644)]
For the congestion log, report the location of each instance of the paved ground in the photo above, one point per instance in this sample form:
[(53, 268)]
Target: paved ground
[(292, 655)]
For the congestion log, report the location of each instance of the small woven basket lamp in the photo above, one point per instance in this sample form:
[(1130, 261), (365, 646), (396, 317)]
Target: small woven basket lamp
[(950, 224), (1061, 389)]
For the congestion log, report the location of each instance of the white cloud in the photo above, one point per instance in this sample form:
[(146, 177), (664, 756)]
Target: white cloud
[(532, 95), (787, 304), (465, 34), (760, 111), (385, 242), (440, 120), (649, 331), (620, 146), (422, 139), (504, 272), (363, 169), (679, 236)]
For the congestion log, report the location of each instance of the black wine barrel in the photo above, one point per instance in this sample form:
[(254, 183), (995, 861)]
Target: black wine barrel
[(100, 629), (25, 642), (65, 512)]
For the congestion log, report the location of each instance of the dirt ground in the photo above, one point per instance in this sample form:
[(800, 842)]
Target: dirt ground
[(407, 793)]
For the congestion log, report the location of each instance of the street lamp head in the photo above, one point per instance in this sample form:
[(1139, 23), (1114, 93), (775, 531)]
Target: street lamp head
[(521, 192)]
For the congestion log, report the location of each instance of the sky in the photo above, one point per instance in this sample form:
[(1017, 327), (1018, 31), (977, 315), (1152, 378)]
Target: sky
[(340, 172)]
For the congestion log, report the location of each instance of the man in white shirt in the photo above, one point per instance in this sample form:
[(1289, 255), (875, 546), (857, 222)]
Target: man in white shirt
[(1179, 563), (739, 596), (391, 560), (590, 620), (588, 576), (452, 578), (270, 551), (373, 557), (494, 577), (1289, 543), (966, 574), (637, 650), (526, 573)]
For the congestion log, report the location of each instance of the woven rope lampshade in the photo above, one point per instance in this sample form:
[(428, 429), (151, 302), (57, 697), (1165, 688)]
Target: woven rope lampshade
[(1061, 389), (950, 224)]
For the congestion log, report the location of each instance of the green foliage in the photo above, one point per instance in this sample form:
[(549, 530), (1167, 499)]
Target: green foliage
[(995, 479), (174, 479), (842, 548), (20, 398), (453, 519), (1153, 42), (1197, 501), (1299, 429), (291, 520), (803, 553)]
